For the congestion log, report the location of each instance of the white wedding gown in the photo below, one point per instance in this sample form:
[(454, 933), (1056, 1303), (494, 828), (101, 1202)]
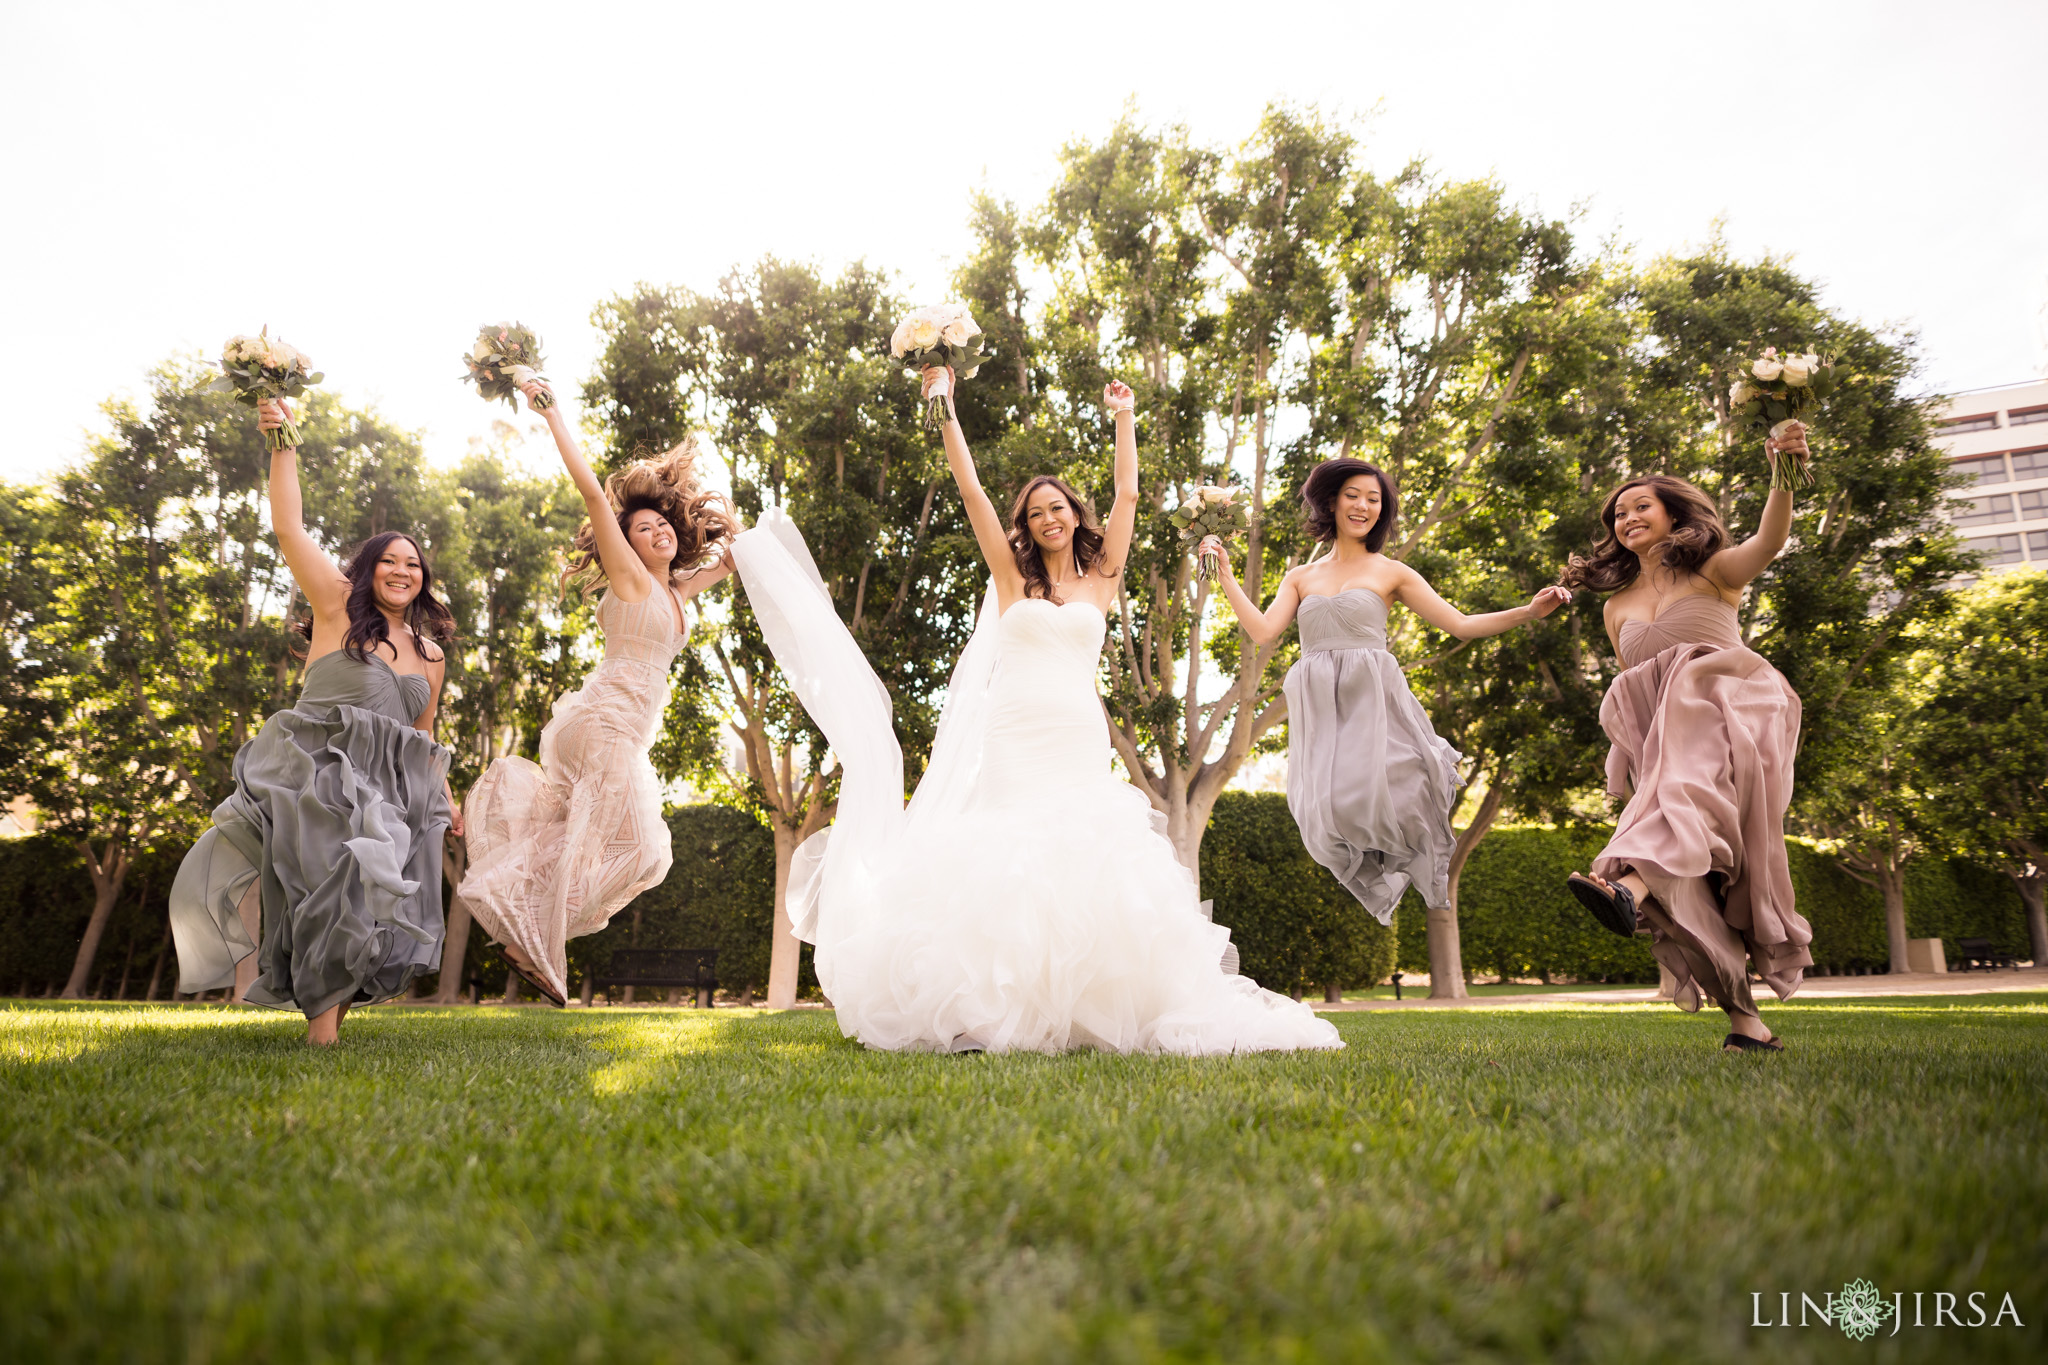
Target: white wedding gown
[(1027, 899)]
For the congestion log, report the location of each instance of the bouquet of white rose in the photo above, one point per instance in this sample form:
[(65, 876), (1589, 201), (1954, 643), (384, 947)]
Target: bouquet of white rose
[(504, 357), (1776, 390), (255, 368), (935, 337), (1212, 511)]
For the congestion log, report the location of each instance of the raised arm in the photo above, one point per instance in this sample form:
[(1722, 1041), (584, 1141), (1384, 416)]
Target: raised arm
[(317, 575), (627, 578), (981, 513), (1735, 567), (1413, 591), (1263, 626), (1123, 512)]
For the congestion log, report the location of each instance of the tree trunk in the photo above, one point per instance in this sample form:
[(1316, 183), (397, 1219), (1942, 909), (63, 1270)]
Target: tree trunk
[(1446, 956), (107, 875), (156, 972), (455, 943), (2037, 918), (1891, 879), (784, 952)]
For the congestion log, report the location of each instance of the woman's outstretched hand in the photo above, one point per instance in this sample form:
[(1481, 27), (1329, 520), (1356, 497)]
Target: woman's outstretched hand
[(1117, 397), (533, 388), (1548, 600), (272, 413), (1793, 442)]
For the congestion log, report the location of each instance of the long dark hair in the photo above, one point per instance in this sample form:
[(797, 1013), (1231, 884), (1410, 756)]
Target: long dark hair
[(666, 485), (1697, 535), (1030, 563), (368, 627), (1319, 500)]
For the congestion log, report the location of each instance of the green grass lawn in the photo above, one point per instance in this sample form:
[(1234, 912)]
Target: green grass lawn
[(1589, 1183)]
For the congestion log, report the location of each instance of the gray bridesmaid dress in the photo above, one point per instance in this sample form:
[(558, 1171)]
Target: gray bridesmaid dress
[(338, 809), (1369, 782)]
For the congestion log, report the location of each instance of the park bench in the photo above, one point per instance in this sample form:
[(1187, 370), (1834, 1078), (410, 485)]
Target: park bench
[(675, 968), (1978, 952)]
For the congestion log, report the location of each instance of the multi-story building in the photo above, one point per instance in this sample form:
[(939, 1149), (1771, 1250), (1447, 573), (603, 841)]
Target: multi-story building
[(2000, 438)]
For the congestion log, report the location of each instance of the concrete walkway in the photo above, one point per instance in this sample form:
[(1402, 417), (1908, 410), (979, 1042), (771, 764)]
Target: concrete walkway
[(1816, 988)]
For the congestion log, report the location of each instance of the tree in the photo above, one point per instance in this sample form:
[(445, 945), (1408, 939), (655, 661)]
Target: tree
[(789, 374), (1981, 751)]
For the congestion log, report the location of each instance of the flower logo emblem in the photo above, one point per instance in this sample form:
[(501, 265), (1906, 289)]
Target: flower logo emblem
[(1860, 1310)]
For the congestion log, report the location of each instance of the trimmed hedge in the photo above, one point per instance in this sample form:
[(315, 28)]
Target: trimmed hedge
[(1294, 925), (720, 893)]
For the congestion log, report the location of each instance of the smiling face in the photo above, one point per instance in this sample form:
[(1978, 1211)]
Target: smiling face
[(1356, 508), (396, 577), (1641, 520), (1050, 518), (653, 539)]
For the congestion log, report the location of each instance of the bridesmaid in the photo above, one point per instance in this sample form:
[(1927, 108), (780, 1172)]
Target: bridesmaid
[(1369, 782), (559, 847), (319, 884), (1704, 732)]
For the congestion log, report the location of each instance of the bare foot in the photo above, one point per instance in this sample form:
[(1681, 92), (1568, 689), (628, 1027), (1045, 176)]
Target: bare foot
[(324, 1029), (1635, 885), (1749, 1026)]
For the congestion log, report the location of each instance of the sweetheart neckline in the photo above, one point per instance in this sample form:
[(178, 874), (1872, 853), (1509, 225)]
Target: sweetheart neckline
[(1103, 612), (389, 667)]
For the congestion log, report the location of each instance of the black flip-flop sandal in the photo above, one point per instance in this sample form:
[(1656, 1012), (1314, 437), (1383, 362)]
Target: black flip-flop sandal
[(534, 981), (1614, 907), (1742, 1042)]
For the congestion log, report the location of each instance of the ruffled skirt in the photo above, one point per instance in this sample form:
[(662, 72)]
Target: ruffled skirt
[(339, 813)]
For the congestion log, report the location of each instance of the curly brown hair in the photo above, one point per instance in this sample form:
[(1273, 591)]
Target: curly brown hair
[(1319, 498), (1697, 535), (666, 484), (1030, 563)]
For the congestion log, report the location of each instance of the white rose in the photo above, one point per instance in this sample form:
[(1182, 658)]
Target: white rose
[(1767, 369), (959, 329), (1739, 393), (899, 340), (1796, 371), (485, 348), (924, 333), (1213, 496)]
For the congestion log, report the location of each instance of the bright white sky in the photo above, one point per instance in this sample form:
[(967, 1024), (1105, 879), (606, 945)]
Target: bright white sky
[(374, 180)]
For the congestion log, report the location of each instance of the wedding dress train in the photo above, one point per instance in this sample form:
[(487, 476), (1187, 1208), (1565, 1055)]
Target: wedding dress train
[(1027, 899)]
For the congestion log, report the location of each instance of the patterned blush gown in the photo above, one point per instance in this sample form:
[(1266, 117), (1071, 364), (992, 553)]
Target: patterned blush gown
[(559, 847)]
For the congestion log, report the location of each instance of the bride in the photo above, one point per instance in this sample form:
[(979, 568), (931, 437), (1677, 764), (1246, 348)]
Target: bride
[(1026, 900)]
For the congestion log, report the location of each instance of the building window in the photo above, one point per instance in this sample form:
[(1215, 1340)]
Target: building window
[(1956, 426), (1980, 511), (1996, 549), (2034, 505), (2028, 464), (2037, 544), (1983, 469), (2026, 417)]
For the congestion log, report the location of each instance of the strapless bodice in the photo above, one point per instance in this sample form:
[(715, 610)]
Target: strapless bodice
[(369, 684), (644, 631), (1052, 642), (1697, 619), (1353, 619)]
